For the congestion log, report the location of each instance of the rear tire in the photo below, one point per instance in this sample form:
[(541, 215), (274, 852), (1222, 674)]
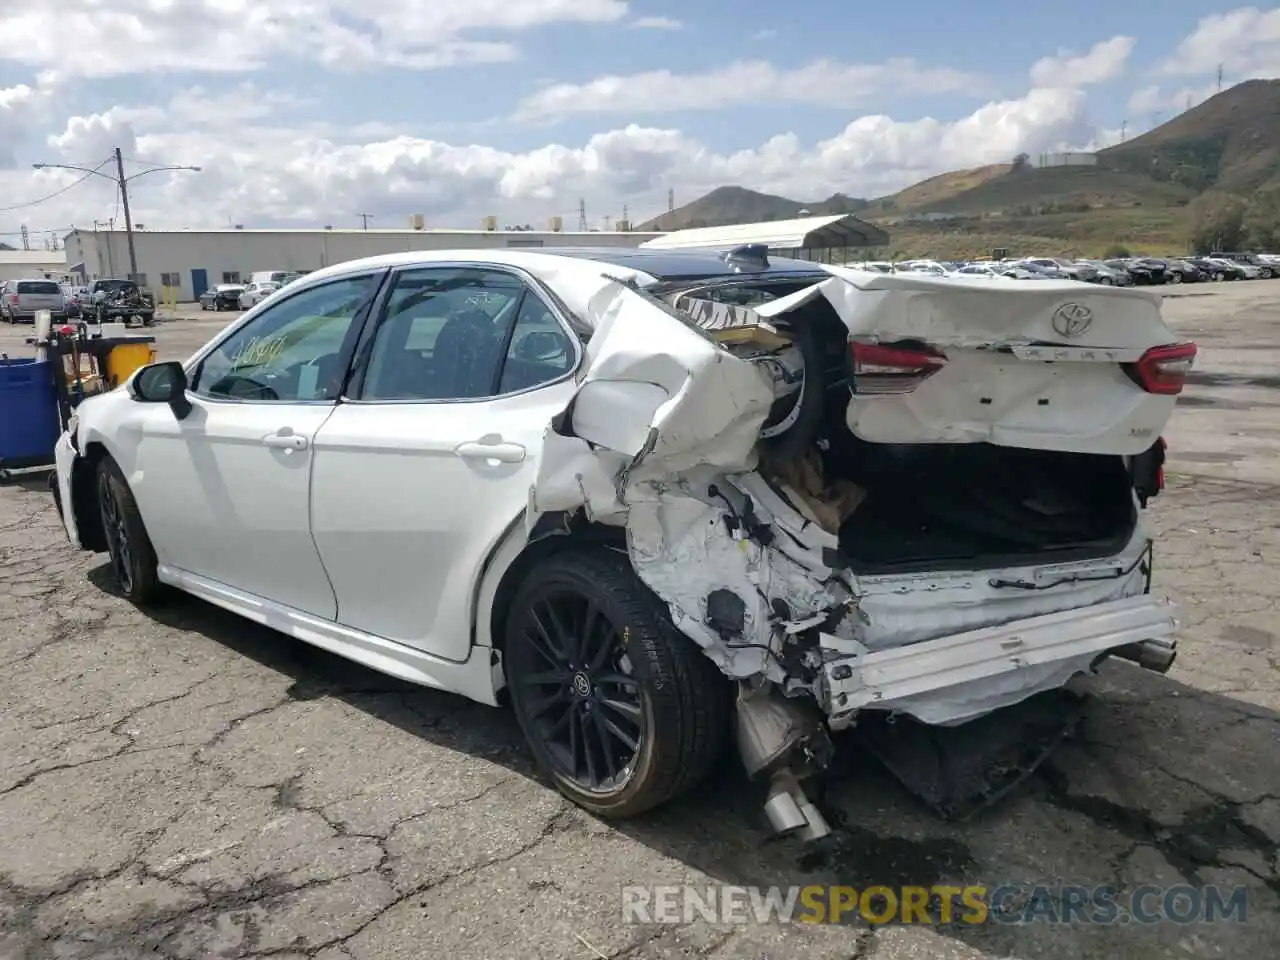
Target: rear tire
[(1175, 278), (1105, 281), (133, 559), (621, 710)]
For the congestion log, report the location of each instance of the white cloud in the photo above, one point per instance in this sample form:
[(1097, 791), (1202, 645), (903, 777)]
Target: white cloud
[(1157, 99), (20, 107), (824, 82), (764, 34), (236, 36), (272, 172), (1245, 42), (1104, 61), (656, 23)]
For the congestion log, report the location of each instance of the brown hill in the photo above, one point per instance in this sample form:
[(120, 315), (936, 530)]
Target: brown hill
[(924, 195), (726, 205), (1231, 141)]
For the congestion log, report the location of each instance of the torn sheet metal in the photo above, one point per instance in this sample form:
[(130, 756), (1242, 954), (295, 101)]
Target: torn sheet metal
[(682, 549), (659, 397)]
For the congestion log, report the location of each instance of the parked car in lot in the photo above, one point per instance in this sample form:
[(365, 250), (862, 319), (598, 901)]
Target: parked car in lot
[(1265, 269), (652, 494), (1048, 270), (1235, 269), (225, 296), (255, 291), (1053, 266), (22, 299), (1217, 270), (1182, 271), (1107, 275), (1140, 273)]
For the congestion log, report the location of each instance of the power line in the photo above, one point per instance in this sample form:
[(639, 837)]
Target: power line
[(56, 193)]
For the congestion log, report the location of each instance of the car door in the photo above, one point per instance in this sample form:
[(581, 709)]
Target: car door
[(224, 491), (427, 464)]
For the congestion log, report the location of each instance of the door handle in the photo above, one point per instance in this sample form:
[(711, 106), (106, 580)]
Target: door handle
[(502, 452), (285, 441)]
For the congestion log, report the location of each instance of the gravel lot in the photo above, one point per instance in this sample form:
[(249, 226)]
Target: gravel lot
[(186, 784)]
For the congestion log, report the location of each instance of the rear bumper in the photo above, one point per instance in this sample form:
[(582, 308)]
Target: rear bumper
[(965, 675)]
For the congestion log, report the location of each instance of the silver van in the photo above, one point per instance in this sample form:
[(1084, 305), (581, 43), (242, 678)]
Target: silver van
[(22, 298)]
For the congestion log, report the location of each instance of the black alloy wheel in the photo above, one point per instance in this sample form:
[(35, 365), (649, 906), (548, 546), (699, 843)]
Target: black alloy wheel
[(133, 558), (584, 700), (620, 709), (116, 532)]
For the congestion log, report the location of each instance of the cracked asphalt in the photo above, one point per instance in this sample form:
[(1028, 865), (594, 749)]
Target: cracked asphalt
[(185, 784)]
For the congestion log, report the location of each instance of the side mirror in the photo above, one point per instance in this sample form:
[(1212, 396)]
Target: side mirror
[(162, 383)]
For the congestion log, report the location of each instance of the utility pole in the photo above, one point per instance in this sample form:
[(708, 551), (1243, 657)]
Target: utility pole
[(1219, 78), (583, 226), (364, 219), (26, 238), (1124, 126), (671, 199), (128, 217)]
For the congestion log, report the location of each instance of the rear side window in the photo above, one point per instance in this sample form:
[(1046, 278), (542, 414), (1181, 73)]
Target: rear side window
[(38, 286)]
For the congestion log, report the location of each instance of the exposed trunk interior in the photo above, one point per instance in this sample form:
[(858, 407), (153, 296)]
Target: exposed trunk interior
[(956, 506), (931, 506)]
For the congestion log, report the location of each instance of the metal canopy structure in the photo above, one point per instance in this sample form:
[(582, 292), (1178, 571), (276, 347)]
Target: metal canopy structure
[(799, 238)]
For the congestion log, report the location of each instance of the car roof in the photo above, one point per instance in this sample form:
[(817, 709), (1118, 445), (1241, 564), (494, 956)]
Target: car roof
[(657, 264)]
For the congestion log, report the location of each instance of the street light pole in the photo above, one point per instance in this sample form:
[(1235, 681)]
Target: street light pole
[(128, 219), (122, 182)]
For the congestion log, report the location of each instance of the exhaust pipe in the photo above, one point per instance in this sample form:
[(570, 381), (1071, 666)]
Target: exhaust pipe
[(1157, 655)]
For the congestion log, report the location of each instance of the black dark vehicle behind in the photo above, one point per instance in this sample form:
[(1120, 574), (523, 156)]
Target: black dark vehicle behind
[(225, 296), (1141, 272), (1218, 270), (1182, 271), (1265, 270)]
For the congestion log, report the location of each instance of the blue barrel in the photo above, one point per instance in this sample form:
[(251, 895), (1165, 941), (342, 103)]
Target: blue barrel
[(29, 425)]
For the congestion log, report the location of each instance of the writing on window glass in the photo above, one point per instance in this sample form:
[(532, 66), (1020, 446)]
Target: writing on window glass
[(258, 352)]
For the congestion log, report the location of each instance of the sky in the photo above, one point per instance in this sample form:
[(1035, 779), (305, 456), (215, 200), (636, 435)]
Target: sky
[(308, 113)]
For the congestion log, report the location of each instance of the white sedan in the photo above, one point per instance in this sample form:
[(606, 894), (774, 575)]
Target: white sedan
[(255, 293), (658, 495)]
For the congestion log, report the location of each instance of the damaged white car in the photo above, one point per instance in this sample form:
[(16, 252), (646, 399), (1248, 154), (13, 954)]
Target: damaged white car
[(658, 497)]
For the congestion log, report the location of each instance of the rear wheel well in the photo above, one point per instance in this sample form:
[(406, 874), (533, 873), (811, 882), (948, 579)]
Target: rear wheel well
[(84, 501), (570, 533)]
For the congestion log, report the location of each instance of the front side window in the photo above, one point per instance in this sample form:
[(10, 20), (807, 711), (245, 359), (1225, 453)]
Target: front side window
[(293, 351)]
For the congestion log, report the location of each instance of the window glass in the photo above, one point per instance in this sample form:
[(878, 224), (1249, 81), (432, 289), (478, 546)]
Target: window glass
[(443, 335), (290, 352), (540, 350), (38, 286)]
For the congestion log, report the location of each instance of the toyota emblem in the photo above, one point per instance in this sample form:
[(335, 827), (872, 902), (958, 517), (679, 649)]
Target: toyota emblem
[(1072, 319)]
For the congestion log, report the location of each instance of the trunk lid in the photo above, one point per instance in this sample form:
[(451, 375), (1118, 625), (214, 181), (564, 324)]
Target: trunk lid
[(1056, 365)]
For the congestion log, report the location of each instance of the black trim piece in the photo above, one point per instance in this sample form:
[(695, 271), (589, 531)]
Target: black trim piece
[(500, 368)]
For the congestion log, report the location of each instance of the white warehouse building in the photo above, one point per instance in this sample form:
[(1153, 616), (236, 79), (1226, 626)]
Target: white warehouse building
[(191, 261)]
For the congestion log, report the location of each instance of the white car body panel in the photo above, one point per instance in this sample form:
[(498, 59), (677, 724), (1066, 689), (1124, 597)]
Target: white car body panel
[(414, 538), (429, 490)]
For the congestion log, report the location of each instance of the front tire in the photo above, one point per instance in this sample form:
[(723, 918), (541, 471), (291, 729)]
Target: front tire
[(1175, 278), (133, 559), (621, 710)]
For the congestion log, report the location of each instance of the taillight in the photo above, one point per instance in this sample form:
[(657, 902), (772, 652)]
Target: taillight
[(1164, 370), (13, 298), (880, 370)]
